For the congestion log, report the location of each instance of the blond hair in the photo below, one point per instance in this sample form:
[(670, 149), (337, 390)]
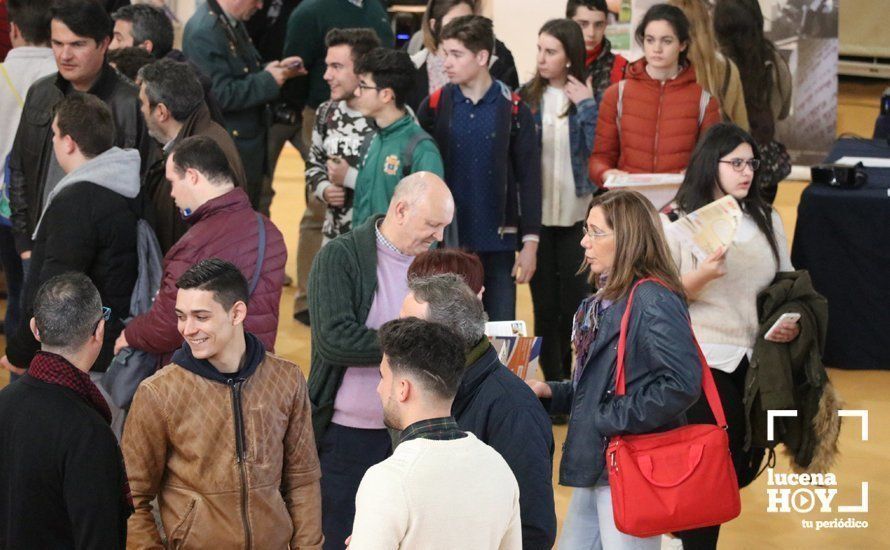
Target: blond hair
[(711, 68), (641, 250)]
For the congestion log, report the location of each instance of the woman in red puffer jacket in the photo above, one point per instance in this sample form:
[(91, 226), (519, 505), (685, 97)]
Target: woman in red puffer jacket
[(662, 108)]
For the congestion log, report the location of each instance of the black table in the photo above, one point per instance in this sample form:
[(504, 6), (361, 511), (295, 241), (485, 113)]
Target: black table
[(843, 239)]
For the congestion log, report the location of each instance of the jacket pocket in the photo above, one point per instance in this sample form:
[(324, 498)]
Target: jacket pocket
[(179, 535)]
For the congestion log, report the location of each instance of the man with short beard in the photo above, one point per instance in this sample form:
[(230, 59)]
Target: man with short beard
[(174, 109), (339, 132), (80, 33)]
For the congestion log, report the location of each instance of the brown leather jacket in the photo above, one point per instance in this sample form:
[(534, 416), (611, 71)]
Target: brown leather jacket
[(217, 490)]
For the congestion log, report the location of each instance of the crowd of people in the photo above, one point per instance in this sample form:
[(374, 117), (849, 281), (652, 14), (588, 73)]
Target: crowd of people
[(435, 184)]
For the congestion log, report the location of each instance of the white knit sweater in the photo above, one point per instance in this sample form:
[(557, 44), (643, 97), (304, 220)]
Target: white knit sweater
[(449, 495), (725, 311)]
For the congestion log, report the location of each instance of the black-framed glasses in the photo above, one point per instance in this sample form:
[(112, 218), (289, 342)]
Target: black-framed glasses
[(739, 164), (362, 86), (106, 314)]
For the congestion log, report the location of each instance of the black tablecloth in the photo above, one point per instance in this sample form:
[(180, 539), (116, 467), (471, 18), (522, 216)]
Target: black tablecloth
[(843, 239)]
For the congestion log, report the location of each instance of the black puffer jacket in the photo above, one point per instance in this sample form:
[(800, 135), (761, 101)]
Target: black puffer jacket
[(663, 376), (32, 150)]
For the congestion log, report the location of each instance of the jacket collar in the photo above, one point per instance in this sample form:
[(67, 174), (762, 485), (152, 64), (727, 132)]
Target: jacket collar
[(236, 199), (196, 122), (637, 71), (475, 374), (253, 356), (102, 88)]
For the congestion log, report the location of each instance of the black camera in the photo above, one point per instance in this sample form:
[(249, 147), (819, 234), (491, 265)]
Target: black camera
[(282, 113), (839, 175)]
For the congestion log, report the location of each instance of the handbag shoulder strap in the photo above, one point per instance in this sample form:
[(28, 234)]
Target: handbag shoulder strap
[(18, 96), (260, 255), (708, 385)]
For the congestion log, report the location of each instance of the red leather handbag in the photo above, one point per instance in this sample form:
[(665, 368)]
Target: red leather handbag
[(675, 480)]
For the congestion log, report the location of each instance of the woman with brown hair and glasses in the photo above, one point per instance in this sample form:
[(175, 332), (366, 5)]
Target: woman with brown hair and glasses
[(623, 243), (722, 289)]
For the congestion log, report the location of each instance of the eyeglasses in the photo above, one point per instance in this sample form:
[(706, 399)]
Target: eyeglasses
[(363, 87), (594, 235), (106, 314), (739, 164)]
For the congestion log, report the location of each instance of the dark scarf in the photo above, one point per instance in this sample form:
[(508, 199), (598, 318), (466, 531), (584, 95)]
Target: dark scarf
[(55, 369)]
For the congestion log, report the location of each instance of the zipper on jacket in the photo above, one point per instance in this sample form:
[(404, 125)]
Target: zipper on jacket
[(241, 451), (657, 127)]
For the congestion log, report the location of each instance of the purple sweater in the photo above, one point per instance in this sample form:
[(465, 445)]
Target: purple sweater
[(357, 404)]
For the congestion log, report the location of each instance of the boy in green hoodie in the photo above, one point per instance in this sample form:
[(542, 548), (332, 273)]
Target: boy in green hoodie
[(400, 147)]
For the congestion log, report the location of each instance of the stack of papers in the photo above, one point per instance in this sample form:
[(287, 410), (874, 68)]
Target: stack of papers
[(660, 189), (709, 228), (517, 351)]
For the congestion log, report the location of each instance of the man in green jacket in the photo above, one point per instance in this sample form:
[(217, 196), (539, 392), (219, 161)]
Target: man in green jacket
[(358, 282), (306, 30), (216, 41), (400, 147)]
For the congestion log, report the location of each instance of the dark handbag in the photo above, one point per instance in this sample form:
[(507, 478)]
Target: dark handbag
[(675, 480), (775, 165)]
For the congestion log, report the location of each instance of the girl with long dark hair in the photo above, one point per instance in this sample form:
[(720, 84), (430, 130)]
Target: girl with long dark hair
[(766, 78), (650, 122), (722, 290), (565, 117)]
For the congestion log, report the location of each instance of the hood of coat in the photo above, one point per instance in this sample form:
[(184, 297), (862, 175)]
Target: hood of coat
[(116, 170), (254, 354), (637, 71)]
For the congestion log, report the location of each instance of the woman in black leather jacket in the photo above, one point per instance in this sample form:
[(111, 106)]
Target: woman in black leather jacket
[(623, 243)]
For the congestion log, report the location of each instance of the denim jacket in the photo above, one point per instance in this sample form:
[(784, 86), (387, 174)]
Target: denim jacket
[(663, 376), (582, 129)]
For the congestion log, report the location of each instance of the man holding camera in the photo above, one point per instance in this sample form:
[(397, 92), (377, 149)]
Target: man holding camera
[(216, 40)]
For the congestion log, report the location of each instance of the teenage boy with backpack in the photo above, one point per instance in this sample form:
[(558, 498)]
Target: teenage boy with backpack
[(400, 147), (487, 138)]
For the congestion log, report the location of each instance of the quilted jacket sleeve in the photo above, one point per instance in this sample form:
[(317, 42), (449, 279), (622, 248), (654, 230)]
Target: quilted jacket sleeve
[(155, 331), (607, 145), (145, 453), (300, 481)]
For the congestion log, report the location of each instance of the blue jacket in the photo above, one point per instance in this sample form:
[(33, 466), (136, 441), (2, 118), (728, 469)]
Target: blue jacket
[(663, 376), (502, 411), (516, 174), (582, 130)]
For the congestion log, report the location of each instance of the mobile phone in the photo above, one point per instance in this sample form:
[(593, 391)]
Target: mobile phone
[(793, 317), (295, 65)]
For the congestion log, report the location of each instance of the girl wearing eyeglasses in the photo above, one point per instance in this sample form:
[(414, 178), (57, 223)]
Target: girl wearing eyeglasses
[(722, 290)]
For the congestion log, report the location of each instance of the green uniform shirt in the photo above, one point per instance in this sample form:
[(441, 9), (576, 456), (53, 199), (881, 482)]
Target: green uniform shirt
[(381, 170)]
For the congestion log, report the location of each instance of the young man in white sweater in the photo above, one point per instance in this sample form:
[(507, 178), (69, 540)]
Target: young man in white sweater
[(442, 487)]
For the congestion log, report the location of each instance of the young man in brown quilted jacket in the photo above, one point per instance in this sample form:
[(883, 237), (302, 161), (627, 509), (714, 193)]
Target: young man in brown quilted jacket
[(222, 436)]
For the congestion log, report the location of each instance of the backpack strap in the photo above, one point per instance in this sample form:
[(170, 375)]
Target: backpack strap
[(620, 106), (408, 152), (15, 92), (260, 256), (434, 99), (703, 101)]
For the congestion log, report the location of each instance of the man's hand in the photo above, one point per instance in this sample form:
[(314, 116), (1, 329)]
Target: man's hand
[(121, 342), (526, 263), (541, 389), (337, 168), (334, 195), (285, 69), (4, 362), (26, 255)]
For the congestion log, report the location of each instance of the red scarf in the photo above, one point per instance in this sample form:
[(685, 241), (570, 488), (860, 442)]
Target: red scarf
[(55, 369), (593, 54)]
